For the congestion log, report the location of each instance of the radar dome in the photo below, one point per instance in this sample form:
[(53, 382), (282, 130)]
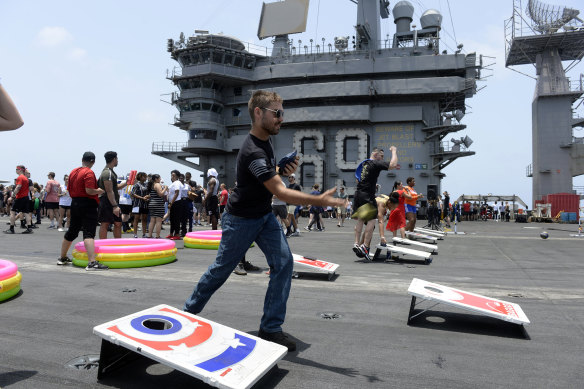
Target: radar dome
[(402, 15), (431, 18)]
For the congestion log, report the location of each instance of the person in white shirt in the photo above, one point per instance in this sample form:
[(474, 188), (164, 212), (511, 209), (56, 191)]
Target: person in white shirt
[(174, 205), (64, 204), (184, 199)]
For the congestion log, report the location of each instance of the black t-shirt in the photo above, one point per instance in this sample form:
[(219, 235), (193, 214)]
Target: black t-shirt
[(369, 175), (255, 165), (294, 186), (446, 203)]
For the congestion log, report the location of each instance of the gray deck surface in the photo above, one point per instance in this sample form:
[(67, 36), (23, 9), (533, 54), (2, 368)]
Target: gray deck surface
[(370, 345)]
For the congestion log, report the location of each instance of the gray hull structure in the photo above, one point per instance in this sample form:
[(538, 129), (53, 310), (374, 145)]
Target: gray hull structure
[(339, 101), (557, 154)]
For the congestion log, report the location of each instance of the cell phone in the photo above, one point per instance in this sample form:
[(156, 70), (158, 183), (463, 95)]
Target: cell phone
[(288, 158)]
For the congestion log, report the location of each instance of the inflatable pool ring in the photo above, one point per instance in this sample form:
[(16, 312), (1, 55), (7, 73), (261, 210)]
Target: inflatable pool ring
[(207, 240), (10, 279), (125, 253)]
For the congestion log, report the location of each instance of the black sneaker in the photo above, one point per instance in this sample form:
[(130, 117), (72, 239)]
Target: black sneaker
[(239, 270), (91, 266), (279, 338), (249, 267), (63, 261), (9, 231), (357, 250), (27, 231), (32, 226)]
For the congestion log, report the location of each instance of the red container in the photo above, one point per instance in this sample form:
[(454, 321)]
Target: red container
[(566, 202)]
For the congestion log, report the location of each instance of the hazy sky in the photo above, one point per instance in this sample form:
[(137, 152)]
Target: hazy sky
[(91, 76)]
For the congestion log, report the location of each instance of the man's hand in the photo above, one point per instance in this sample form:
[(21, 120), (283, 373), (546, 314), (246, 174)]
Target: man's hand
[(328, 198), (117, 211), (291, 167)]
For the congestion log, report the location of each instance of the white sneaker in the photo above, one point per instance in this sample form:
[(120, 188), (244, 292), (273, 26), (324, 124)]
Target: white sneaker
[(61, 229)]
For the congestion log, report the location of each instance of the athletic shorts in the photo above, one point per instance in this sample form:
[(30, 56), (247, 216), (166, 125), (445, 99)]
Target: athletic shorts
[(126, 209), (291, 209), (106, 212), (20, 205), (83, 218), (213, 206), (362, 198), (197, 207), (51, 205), (410, 208), (65, 207), (280, 210)]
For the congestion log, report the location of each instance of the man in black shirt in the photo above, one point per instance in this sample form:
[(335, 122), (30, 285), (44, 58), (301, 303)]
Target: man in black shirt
[(367, 175), (248, 218)]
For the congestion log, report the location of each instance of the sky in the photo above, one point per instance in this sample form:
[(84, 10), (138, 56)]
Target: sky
[(92, 76)]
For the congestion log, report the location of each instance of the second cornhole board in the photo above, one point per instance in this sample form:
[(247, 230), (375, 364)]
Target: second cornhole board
[(440, 294), (315, 265), (438, 234), (214, 353), (417, 245), (418, 236), (402, 251)]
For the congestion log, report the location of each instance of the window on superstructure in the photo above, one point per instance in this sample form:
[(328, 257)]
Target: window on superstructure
[(203, 134), (237, 91), (238, 61), (217, 57), (196, 84), (186, 60), (217, 108), (196, 59), (206, 106), (249, 63), (207, 83), (205, 55), (195, 106), (184, 85), (228, 59), (236, 112)]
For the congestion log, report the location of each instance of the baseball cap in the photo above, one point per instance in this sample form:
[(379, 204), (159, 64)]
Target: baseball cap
[(292, 175), (88, 156), (212, 173), (21, 167)]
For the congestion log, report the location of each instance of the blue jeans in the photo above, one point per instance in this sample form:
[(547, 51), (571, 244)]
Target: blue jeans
[(238, 235)]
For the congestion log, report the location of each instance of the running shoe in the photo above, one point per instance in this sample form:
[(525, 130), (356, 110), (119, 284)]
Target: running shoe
[(27, 231), (279, 338), (60, 229), (248, 266), (365, 251), (63, 261), (357, 251), (93, 266), (307, 229), (239, 270)]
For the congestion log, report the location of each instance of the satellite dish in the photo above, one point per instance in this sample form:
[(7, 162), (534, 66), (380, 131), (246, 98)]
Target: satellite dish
[(282, 18)]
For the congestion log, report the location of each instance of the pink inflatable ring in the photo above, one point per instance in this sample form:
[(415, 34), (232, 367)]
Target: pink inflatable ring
[(10, 279), (124, 253)]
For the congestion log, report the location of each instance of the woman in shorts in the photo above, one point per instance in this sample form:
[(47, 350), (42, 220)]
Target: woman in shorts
[(64, 205)]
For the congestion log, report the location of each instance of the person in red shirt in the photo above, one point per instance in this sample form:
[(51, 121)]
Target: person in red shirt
[(84, 202), (223, 196), (20, 201)]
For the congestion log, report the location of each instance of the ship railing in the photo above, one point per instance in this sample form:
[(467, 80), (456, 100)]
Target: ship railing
[(529, 171), (168, 147), (578, 189), (560, 84), (447, 147)]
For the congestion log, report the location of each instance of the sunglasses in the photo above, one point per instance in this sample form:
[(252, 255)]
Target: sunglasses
[(278, 112)]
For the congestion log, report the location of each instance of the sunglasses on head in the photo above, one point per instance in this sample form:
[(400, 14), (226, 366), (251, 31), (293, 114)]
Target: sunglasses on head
[(278, 112)]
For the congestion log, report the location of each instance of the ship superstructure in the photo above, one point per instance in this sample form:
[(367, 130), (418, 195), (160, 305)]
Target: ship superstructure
[(341, 98), (555, 34)]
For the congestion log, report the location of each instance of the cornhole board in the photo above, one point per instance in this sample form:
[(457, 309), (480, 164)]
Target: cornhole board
[(315, 265), (418, 236), (432, 248), (440, 294), (438, 234), (216, 354), (401, 251)]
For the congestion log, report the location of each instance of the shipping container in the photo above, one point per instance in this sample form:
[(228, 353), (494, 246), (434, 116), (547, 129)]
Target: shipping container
[(566, 202)]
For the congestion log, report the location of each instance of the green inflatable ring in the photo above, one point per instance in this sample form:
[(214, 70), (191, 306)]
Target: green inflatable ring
[(129, 264), (9, 293)]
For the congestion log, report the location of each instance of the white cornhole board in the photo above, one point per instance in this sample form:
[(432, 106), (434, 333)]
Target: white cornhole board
[(417, 245), (216, 354), (476, 303), (426, 231), (417, 236), (313, 264), (402, 251)]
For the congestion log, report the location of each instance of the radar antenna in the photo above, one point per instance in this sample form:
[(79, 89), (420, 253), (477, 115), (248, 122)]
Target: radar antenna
[(548, 19)]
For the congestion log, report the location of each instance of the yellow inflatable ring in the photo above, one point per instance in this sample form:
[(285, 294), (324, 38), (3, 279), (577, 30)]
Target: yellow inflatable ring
[(10, 286)]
